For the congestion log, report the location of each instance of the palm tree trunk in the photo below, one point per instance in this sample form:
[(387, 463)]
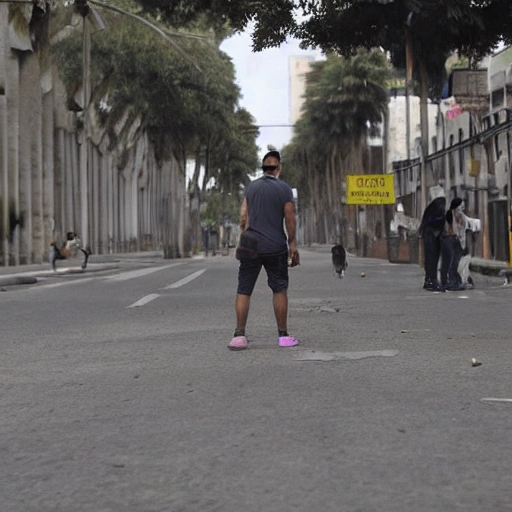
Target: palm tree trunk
[(74, 186), (424, 130), (37, 176), (58, 170), (48, 170), (29, 131), (4, 183), (96, 208), (103, 235), (84, 152), (13, 118), (4, 140), (110, 203)]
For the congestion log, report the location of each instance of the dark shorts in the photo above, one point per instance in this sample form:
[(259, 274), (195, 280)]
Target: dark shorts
[(276, 266)]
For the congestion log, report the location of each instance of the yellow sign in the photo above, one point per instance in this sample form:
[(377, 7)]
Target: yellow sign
[(371, 189), (473, 167)]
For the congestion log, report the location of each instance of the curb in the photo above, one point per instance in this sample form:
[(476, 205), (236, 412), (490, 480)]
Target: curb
[(493, 268), (32, 277), (17, 280)]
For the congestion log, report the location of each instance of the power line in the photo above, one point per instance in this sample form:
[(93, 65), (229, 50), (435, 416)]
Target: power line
[(274, 125)]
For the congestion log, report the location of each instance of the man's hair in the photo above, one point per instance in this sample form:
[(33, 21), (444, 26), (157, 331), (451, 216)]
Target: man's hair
[(275, 154)]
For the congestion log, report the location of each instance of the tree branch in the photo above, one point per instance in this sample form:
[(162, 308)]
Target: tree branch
[(166, 36)]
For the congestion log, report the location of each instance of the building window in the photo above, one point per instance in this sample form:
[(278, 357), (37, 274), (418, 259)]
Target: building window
[(508, 99), (498, 99)]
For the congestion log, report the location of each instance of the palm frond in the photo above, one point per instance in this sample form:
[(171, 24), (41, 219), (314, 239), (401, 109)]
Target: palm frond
[(19, 18)]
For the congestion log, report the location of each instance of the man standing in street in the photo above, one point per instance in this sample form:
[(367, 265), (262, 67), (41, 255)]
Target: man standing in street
[(432, 225), (268, 203)]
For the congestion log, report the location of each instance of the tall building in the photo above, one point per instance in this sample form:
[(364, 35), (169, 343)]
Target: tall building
[(299, 66), (500, 79)]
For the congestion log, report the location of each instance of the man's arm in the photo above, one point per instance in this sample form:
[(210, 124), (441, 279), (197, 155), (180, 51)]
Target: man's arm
[(243, 215), (291, 227), (290, 222)]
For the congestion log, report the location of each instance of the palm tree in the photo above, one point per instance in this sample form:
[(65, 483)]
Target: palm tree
[(344, 103)]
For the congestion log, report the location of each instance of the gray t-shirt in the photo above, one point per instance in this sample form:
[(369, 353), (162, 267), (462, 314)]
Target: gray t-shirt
[(266, 198)]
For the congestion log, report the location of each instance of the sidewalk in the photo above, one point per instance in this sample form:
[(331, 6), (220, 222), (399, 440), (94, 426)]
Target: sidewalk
[(28, 274), (488, 267)]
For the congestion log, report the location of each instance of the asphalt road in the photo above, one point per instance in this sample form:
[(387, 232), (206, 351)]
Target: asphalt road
[(118, 393)]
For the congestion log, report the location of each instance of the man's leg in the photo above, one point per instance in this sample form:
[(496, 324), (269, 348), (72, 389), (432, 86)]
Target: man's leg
[(247, 275), (430, 258), (277, 273), (242, 303), (445, 260), (281, 310)]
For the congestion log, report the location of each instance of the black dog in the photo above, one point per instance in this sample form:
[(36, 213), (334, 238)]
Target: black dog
[(339, 260), (69, 249)]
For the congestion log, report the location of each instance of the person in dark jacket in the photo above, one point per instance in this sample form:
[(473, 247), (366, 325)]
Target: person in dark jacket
[(431, 229)]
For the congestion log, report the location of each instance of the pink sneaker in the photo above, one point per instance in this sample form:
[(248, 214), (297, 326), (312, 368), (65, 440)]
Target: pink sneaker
[(238, 343), (288, 341)]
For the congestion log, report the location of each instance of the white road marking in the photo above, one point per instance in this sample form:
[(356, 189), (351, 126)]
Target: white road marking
[(145, 300), (496, 399), (133, 274), (463, 297), (185, 280)]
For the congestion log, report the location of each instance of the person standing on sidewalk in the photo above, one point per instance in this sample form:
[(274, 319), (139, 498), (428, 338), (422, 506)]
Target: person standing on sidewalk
[(432, 225), (267, 205), (453, 245)]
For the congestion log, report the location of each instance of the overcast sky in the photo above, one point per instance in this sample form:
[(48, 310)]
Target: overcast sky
[(264, 81)]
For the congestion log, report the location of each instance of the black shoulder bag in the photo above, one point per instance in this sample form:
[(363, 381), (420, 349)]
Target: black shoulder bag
[(248, 246)]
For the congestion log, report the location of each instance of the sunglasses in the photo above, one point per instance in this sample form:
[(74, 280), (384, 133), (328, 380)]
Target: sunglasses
[(269, 168)]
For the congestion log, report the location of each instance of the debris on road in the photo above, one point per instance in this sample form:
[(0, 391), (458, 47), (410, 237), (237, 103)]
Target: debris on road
[(16, 280), (474, 362), (311, 355), (325, 309)]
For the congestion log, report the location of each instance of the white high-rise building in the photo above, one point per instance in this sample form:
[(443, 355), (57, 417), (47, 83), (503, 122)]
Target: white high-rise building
[(299, 66)]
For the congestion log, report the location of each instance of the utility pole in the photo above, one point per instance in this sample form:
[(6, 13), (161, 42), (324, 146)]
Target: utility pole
[(409, 64)]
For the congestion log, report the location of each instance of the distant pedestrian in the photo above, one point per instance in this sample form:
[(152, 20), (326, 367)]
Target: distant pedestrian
[(431, 228), (268, 204), (454, 245)]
